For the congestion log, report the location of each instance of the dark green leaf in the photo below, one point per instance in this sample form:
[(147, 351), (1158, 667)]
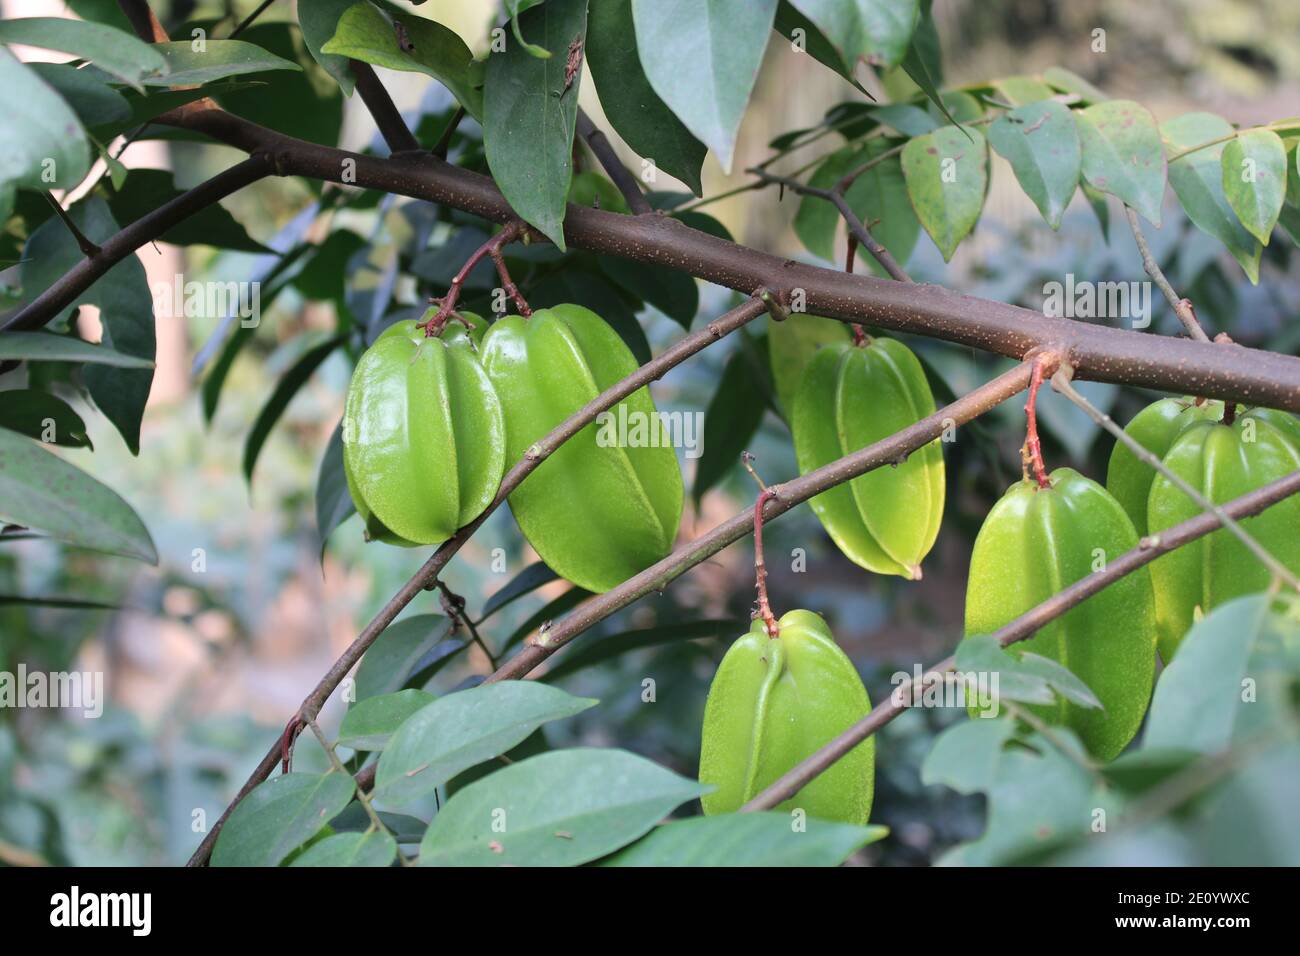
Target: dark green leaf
[(387, 664), (546, 615), (463, 729), (333, 500), (702, 58), (747, 839), (41, 138), (630, 103), (672, 292), (530, 111), (878, 31), (529, 579), (284, 392), (47, 347), (147, 189), (41, 491), (811, 40), (279, 816), (561, 808), (607, 648), (41, 415), (112, 50), (369, 723), (93, 100), (350, 849), (217, 60), (319, 20), (730, 421)]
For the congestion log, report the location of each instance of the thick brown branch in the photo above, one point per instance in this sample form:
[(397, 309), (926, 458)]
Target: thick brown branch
[(785, 496), (1025, 626), (427, 576)]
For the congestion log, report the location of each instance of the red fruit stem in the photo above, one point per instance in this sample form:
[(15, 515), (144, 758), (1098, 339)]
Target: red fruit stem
[(491, 248), (760, 568), (1033, 447)]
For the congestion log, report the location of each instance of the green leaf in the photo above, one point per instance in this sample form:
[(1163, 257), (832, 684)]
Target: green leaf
[(319, 21), (733, 415), (1041, 143), (915, 66), (671, 291), (879, 198), (333, 500), (747, 839), (112, 50), (530, 111), (813, 42), (368, 34), (630, 103), (372, 849), (594, 652), (41, 491), (529, 579), (41, 138), (125, 311), (817, 220), (463, 729), (47, 347), (1199, 695), (946, 173), (878, 31), (702, 58), (42, 416), (144, 108), (1023, 90), (1254, 179), (93, 100), (279, 816), (370, 723), (1197, 179), (387, 664), (561, 808), (1100, 207), (1068, 82), (284, 392), (1122, 154), (965, 756), (217, 60), (147, 189), (907, 118), (1029, 678)]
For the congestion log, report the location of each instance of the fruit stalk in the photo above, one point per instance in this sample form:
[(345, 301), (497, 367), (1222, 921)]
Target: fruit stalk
[(760, 567), (511, 231), (1032, 454)]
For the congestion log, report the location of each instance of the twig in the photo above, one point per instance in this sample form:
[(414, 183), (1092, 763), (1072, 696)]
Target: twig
[(656, 577), (428, 573), (622, 178), (454, 606), (1183, 308), (1025, 626), (444, 139), (88, 248), (392, 127), (337, 764), (491, 248), (1061, 382)]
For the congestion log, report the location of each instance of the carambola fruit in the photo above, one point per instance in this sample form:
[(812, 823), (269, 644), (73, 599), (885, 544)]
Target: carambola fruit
[(423, 435), (596, 511), (853, 396), (774, 702), (1037, 541)]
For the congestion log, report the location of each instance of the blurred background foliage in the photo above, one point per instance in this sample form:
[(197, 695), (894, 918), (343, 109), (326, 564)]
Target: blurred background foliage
[(208, 654)]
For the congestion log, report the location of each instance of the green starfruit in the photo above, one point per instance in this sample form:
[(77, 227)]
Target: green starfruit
[(792, 343), (423, 435), (774, 702), (607, 503), (1034, 543), (1222, 462), (852, 396)]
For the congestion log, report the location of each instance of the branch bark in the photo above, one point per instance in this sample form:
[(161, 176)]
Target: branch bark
[(1025, 626)]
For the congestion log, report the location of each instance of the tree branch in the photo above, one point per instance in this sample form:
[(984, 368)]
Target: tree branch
[(785, 496), (1025, 626), (1099, 353), (1183, 308), (146, 229), (426, 578), (604, 150)]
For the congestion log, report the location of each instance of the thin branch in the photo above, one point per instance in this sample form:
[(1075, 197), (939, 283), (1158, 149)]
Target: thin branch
[(622, 178), (1183, 308), (454, 606), (1061, 382), (392, 127), (146, 229), (491, 248), (424, 578), (444, 140), (88, 248), (245, 23), (888, 451), (1025, 626)]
